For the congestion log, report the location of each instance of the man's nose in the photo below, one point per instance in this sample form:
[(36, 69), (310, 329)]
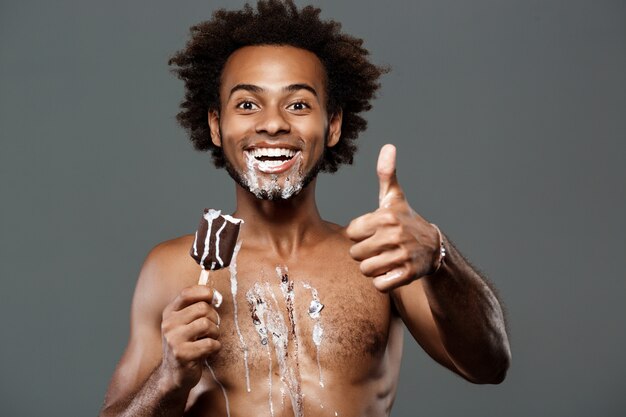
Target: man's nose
[(273, 122)]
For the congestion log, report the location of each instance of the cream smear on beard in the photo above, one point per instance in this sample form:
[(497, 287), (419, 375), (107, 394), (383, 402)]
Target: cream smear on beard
[(267, 184)]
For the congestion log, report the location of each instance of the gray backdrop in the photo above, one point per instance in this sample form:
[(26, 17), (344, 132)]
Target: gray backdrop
[(510, 119)]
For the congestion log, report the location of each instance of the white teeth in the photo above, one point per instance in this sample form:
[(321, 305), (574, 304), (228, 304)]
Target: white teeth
[(260, 152)]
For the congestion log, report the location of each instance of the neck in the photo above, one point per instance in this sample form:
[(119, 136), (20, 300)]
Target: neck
[(280, 225)]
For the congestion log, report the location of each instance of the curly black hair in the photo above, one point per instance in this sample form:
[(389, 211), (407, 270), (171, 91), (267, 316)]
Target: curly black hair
[(351, 80)]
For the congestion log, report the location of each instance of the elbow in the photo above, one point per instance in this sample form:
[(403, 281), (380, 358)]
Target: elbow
[(494, 372), (492, 369), (498, 377)]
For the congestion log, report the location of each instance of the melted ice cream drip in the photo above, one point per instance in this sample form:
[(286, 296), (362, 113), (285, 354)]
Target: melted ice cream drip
[(315, 309), (282, 396), (290, 375), (257, 306), (269, 377), (257, 310), (269, 321), (287, 289), (223, 389), (318, 332), (233, 289)]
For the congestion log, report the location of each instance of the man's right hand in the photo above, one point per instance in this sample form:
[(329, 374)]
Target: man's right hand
[(190, 329)]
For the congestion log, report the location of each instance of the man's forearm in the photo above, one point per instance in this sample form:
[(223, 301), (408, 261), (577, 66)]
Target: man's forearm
[(156, 398), (469, 318)]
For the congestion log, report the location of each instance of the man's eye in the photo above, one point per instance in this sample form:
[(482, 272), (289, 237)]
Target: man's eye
[(247, 105), (299, 105)]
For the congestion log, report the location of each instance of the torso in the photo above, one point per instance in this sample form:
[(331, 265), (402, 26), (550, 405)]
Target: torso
[(342, 361)]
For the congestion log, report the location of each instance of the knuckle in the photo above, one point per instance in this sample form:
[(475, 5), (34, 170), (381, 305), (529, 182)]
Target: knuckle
[(409, 270), (388, 217), (204, 323), (397, 234), (203, 309), (167, 325), (176, 352), (404, 253), (186, 293), (214, 345), (353, 228), (354, 253), (365, 269)]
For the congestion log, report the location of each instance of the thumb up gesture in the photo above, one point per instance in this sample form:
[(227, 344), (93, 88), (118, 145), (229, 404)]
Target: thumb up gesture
[(393, 244)]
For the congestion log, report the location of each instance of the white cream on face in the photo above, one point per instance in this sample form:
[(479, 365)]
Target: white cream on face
[(285, 184)]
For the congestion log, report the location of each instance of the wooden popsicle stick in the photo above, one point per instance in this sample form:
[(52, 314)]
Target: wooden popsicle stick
[(203, 280), (204, 277)]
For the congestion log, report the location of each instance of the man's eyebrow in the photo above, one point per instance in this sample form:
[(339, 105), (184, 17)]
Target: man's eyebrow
[(256, 89), (246, 87), (300, 86)]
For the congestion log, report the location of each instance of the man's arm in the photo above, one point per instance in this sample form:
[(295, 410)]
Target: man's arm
[(169, 341), (452, 313), (457, 318)]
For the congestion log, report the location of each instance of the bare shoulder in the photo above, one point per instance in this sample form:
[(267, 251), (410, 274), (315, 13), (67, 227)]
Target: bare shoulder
[(167, 269), (338, 234), (170, 254)]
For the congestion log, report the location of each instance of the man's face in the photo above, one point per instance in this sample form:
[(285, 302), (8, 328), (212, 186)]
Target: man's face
[(273, 125)]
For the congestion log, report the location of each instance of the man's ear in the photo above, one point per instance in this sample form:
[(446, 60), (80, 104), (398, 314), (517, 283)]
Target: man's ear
[(214, 125), (334, 128)]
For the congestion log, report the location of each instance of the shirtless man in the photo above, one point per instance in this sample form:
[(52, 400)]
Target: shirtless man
[(312, 313)]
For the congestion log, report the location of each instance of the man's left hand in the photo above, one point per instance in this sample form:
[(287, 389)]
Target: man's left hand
[(394, 245)]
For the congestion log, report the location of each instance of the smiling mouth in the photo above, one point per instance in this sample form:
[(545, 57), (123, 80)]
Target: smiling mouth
[(272, 160), (272, 157)]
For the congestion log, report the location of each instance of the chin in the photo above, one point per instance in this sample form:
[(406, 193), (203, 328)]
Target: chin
[(270, 189), (274, 187)]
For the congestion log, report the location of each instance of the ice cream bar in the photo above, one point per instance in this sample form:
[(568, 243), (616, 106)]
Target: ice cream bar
[(215, 240)]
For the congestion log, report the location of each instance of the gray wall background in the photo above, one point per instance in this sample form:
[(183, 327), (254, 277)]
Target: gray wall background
[(510, 118)]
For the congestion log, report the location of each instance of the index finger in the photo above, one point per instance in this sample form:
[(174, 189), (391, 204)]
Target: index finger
[(191, 295), (365, 226)]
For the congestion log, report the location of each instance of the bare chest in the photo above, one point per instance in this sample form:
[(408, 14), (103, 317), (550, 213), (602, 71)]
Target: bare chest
[(304, 322)]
